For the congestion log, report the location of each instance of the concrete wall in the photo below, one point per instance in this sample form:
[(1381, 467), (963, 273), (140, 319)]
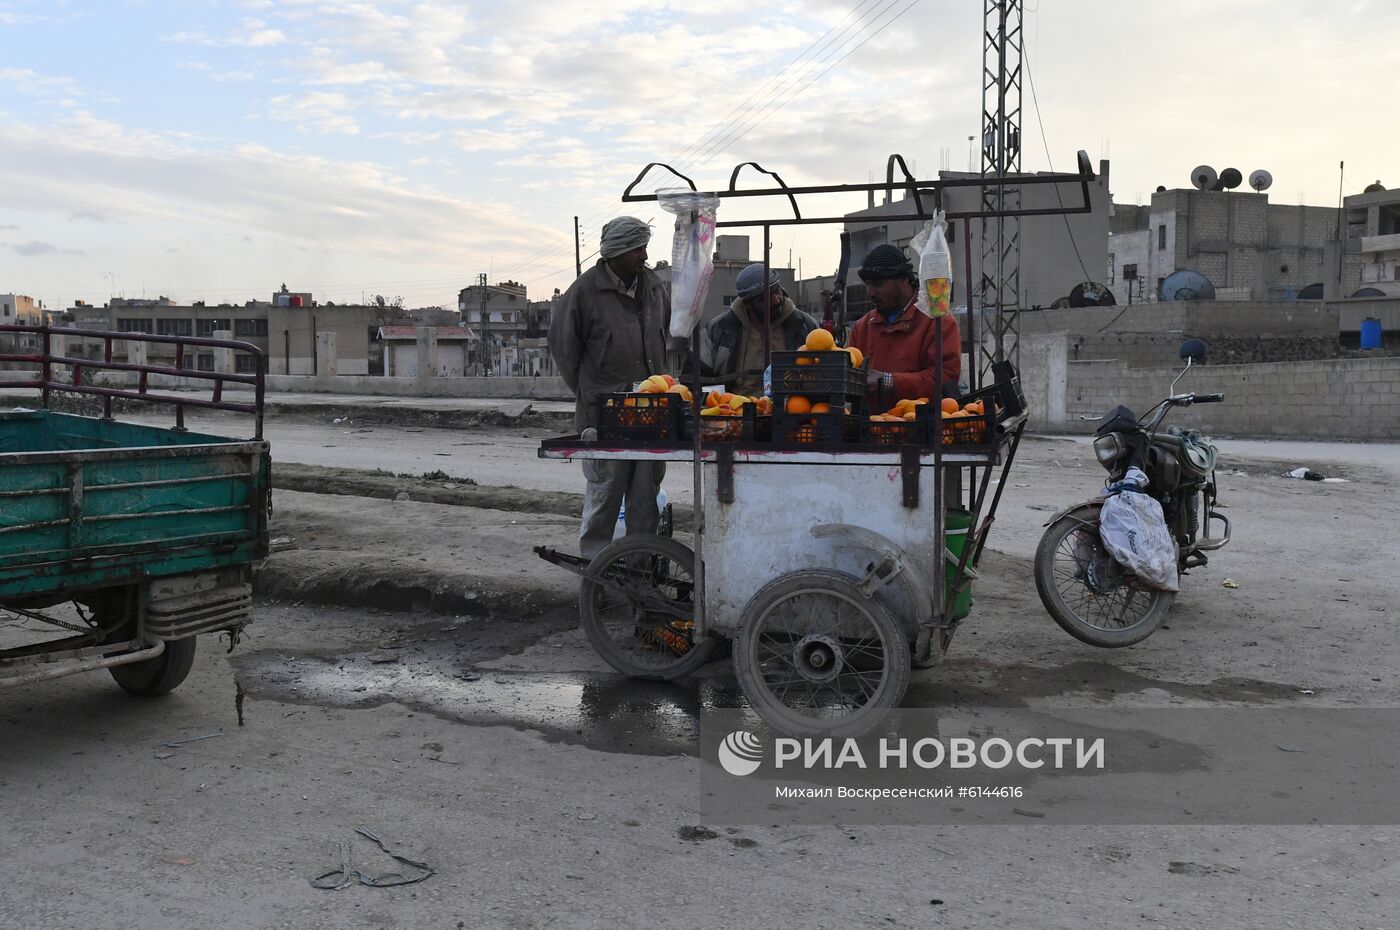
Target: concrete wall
[(494, 388), (1334, 399)]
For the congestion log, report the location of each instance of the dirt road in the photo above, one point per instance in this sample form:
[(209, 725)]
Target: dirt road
[(486, 739)]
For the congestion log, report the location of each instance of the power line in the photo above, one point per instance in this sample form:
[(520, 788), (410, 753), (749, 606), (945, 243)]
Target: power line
[(1030, 77), (722, 131)]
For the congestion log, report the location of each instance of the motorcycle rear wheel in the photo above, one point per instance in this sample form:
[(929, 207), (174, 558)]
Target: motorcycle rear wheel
[(1123, 615)]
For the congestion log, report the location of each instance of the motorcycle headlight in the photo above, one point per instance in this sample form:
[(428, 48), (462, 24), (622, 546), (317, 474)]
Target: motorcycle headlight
[(1109, 447)]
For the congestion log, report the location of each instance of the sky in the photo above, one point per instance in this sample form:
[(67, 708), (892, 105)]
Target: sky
[(217, 149)]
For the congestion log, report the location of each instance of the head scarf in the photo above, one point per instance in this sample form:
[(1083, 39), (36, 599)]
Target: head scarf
[(887, 261), (623, 234)]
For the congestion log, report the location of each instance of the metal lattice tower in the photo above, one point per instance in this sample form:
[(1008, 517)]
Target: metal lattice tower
[(1000, 286)]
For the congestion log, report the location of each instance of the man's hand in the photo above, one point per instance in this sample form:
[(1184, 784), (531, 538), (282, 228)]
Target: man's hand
[(872, 379)]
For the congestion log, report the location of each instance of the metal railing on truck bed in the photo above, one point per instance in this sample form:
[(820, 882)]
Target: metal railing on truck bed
[(82, 371)]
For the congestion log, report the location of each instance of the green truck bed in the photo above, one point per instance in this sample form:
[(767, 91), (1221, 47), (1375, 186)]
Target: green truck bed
[(91, 503)]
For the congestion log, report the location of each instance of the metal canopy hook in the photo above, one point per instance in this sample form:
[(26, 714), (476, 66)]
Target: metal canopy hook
[(734, 178), (627, 196)]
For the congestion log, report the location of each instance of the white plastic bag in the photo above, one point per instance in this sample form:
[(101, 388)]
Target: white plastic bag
[(1135, 533), (935, 267), (692, 254)]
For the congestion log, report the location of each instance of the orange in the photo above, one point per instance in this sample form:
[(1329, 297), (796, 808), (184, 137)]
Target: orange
[(805, 434), (949, 405), (819, 340), (857, 357), (798, 404), (807, 360), (670, 382), (821, 408), (975, 408)]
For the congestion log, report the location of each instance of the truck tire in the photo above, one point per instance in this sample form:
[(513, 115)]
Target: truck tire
[(160, 675)]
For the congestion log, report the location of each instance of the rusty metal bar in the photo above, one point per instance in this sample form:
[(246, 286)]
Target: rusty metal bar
[(47, 382)]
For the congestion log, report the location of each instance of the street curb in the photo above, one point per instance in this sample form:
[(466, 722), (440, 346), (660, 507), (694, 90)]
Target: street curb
[(345, 582)]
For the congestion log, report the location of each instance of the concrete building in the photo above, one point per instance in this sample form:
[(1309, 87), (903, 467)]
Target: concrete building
[(19, 310), (512, 328), (1054, 257), (1249, 248), (162, 316), (404, 358), (1372, 258)]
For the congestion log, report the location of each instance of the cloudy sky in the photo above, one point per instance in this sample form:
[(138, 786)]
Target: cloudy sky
[(214, 149)]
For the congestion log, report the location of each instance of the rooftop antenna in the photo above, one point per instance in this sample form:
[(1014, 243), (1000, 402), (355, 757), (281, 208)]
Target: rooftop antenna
[(1260, 180)]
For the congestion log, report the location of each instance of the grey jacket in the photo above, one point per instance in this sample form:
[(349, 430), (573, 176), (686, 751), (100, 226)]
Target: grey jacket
[(603, 341)]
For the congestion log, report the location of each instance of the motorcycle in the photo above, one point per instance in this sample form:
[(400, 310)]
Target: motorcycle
[(1088, 593)]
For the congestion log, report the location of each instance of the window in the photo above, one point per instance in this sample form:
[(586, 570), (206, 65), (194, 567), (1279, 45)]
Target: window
[(206, 363), (1161, 237), (207, 328), (174, 327), (1160, 282), (1130, 272), (245, 364), (250, 327), (134, 325)]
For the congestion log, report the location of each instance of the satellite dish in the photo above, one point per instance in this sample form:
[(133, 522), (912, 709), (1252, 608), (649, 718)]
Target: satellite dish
[(1186, 285), (1091, 294), (1260, 180), (1369, 292), (1203, 177), (1230, 178), (1374, 187)]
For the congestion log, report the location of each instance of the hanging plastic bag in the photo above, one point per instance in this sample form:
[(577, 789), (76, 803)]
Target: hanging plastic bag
[(1135, 533), (692, 254), (935, 267)]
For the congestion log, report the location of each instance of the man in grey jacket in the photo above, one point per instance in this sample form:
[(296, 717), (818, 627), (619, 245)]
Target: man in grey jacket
[(610, 332), (731, 348)]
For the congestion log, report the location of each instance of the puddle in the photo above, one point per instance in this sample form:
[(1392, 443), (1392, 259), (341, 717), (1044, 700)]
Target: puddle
[(600, 710), (557, 689)]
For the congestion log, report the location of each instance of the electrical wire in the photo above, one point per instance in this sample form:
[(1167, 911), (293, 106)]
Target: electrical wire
[(1030, 77), (769, 102)]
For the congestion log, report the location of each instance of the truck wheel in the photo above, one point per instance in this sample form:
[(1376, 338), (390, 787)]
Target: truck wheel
[(160, 675), (816, 657)]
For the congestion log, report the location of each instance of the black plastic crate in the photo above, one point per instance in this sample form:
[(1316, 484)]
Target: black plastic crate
[(641, 418), (817, 374), (814, 429), (915, 432), (748, 426)]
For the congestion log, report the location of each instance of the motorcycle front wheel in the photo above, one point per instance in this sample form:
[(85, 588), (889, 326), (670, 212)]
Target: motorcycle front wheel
[(1077, 592)]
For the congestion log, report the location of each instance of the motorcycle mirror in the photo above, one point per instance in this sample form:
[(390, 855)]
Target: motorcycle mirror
[(1194, 351)]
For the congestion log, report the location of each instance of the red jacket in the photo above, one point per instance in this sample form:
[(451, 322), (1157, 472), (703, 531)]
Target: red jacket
[(906, 350)]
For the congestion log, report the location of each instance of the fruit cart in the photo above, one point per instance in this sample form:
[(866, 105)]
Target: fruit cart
[(835, 552)]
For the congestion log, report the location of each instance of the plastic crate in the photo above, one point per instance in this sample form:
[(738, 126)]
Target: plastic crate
[(750, 426), (915, 432), (814, 429), (641, 418), (821, 375)]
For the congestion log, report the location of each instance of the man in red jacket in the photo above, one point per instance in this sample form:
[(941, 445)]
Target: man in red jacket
[(897, 339)]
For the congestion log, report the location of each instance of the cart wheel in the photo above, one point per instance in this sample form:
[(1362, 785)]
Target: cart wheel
[(160, 675), (817, 657), (640, 616)]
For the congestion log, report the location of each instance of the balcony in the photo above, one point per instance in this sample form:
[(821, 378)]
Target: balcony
[(1390, 243)]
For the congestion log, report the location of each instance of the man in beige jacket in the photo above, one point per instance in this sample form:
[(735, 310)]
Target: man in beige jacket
[(611, 332)]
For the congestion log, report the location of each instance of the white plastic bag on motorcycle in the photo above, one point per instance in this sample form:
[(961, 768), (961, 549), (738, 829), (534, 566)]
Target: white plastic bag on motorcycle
[(1135, 533)]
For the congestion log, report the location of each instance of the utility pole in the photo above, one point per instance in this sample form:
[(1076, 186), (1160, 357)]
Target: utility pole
[(485, 328), (578, 262), (1001, 157)]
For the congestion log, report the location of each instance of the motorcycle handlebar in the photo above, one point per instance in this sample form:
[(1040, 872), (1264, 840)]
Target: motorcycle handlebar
[(1209, 398)]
